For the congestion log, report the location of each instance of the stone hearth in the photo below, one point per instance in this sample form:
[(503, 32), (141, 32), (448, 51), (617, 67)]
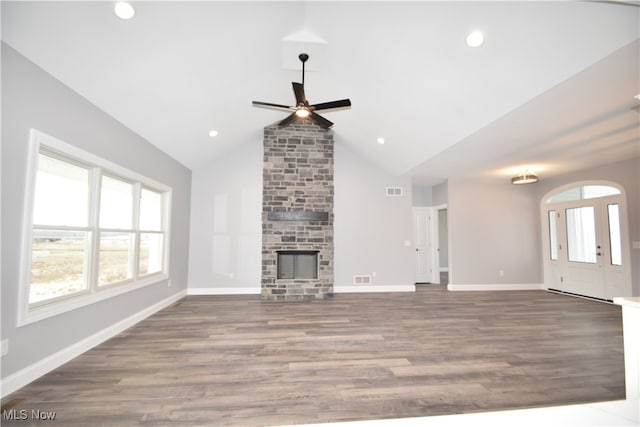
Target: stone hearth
[(297, 208)]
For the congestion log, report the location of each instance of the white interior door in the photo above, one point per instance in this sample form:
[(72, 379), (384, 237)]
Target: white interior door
[(421, 231)]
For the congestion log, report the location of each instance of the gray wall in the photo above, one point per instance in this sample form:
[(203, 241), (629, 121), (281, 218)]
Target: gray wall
[(440, 194), (421, 196), (226, 230), (626, 174), (370, 228), (492, 228), (31, 98)]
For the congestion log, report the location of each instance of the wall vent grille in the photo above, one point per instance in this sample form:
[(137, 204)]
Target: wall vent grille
[(394, 191), (361, 280)]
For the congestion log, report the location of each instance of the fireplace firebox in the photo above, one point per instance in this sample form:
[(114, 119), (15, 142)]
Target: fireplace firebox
[(297, 265)]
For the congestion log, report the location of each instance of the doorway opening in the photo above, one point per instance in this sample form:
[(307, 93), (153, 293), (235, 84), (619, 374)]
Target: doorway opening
[(443, 246), (431, 235), (585, 240)]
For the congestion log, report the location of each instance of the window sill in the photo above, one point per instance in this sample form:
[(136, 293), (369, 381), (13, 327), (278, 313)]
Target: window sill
[(35, 314)]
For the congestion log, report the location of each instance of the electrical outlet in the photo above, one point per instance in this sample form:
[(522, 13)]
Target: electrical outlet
[(501, 273), (374, 274), (4, 347)]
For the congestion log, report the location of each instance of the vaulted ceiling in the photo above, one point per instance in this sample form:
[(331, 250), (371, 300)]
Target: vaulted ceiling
[(551, 89)]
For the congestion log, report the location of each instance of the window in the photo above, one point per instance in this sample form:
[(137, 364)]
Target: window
[(584, 192), (553, 235), (117, 234), (151, 236), (581, 234), (60, 240), (615, 235), (95, 230)]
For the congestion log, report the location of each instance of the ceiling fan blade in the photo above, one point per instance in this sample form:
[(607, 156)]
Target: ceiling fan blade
[(343, 103), (298, 89), (272, 106), (287, 121), (320, 121)]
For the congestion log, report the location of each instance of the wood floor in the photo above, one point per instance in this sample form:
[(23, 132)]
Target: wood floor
[(236, 360)]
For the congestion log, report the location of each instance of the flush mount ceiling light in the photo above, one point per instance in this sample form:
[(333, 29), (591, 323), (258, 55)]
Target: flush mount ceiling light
[(380, 140), (213, 133), (525, 177), (475, 39), (124, 10)]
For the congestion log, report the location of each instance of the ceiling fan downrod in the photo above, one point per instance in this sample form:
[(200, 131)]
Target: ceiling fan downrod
[(303, 58)]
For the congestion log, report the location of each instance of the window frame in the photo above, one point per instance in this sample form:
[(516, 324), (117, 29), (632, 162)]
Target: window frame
[(41, 143)]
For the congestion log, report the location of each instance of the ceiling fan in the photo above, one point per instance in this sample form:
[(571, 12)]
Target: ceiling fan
[(303, 110)]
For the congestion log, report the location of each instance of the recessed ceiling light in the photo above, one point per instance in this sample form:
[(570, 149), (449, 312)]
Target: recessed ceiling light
[(124, 10), (475, 39), (380, 140), (213, 133)]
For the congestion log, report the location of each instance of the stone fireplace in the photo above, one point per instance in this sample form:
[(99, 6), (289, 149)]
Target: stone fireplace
[(297, 212)]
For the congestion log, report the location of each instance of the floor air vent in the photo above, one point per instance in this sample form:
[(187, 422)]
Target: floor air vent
[(394, 191), (361, 280)]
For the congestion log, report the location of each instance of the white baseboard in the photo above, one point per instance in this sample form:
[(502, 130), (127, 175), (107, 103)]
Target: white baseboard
[(336, 289), (223, 291), (497, 287), (368, 289), (26, 375)]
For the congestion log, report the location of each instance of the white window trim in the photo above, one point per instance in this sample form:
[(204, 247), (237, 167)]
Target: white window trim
[(56, 306)]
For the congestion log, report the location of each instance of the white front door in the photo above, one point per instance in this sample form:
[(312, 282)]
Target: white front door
[(583, 272), (585, 246)]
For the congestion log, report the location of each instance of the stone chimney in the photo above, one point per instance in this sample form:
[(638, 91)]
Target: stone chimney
[(297, 212)]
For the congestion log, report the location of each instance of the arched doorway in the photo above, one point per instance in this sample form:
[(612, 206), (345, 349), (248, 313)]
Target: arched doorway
[(585, 240)]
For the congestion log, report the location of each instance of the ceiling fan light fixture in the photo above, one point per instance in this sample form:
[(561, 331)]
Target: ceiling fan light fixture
[(302, 112), (525, 177)]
